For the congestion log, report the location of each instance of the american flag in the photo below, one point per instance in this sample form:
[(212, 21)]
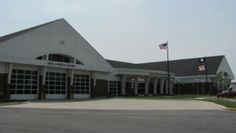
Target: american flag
[(163, 45)]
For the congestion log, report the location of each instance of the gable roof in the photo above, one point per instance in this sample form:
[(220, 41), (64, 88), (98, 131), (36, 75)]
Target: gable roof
[(12, 35), (44, 39), (119, 64), (182, 67)]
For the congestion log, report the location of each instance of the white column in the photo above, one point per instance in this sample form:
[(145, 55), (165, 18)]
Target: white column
[(136, 85), (117, 86), (93, 75), (171, 86), (72, 77), (155, 82), (108, 85), (132, 82), (42, 89), (44, 70), (162, 80), (123, 84), (166, 88), (9, 73), (72, 72), (147, 79)]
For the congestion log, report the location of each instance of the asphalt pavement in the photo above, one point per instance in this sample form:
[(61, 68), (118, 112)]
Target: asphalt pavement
[(30, 120)]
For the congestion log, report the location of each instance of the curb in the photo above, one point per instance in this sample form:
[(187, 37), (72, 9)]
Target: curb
[(13, 103), (231, 109)]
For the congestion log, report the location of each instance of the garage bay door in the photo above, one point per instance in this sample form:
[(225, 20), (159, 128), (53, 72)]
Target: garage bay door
[(81, 84), (24, 84), (55, 84)]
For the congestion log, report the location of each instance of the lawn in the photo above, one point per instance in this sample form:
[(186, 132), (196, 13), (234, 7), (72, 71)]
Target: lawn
[(210, 98), (177, 97), (223, 102)]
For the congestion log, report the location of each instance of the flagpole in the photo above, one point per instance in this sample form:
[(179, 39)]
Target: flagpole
[(166, 47), (206, 72), (168, 68)]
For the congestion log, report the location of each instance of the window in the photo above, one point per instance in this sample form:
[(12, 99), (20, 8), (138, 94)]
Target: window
[(78, 62), (115, 88), (43, 57), (81, 84), (60, 58), (24, 81), (55, 83)]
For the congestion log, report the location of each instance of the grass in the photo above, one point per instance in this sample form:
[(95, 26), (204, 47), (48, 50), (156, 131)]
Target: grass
[(210, 98), (175, 97), (223, 102)]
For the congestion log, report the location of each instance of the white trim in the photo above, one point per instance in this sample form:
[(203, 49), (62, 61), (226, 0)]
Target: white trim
[(141, 72), (55, 96), (193, 79), (83, 72), (193, 76), (45, 63), (25, 67), (24, 96), (81, 96), (56, 70)]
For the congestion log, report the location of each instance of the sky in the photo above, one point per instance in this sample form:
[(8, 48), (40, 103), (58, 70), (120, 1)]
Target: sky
[(130, 30)]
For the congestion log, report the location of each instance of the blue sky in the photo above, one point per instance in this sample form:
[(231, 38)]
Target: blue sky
[(130, 30)]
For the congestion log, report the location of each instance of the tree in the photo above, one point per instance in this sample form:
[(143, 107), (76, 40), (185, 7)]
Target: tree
[(222, 81)]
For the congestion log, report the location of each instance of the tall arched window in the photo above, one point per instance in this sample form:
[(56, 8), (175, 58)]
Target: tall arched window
[(60, 58)]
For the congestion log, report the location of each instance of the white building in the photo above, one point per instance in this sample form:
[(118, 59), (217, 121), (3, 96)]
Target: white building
[(53, 61)]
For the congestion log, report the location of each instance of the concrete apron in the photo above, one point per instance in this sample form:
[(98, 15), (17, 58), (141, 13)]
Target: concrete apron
[(122, 104)]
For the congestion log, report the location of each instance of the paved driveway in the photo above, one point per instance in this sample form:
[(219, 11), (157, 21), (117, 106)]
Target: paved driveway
[(123, 104), (117, 116), (28, 120)]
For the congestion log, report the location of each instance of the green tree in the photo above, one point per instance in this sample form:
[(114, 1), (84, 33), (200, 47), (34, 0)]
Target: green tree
[(221, 81)]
